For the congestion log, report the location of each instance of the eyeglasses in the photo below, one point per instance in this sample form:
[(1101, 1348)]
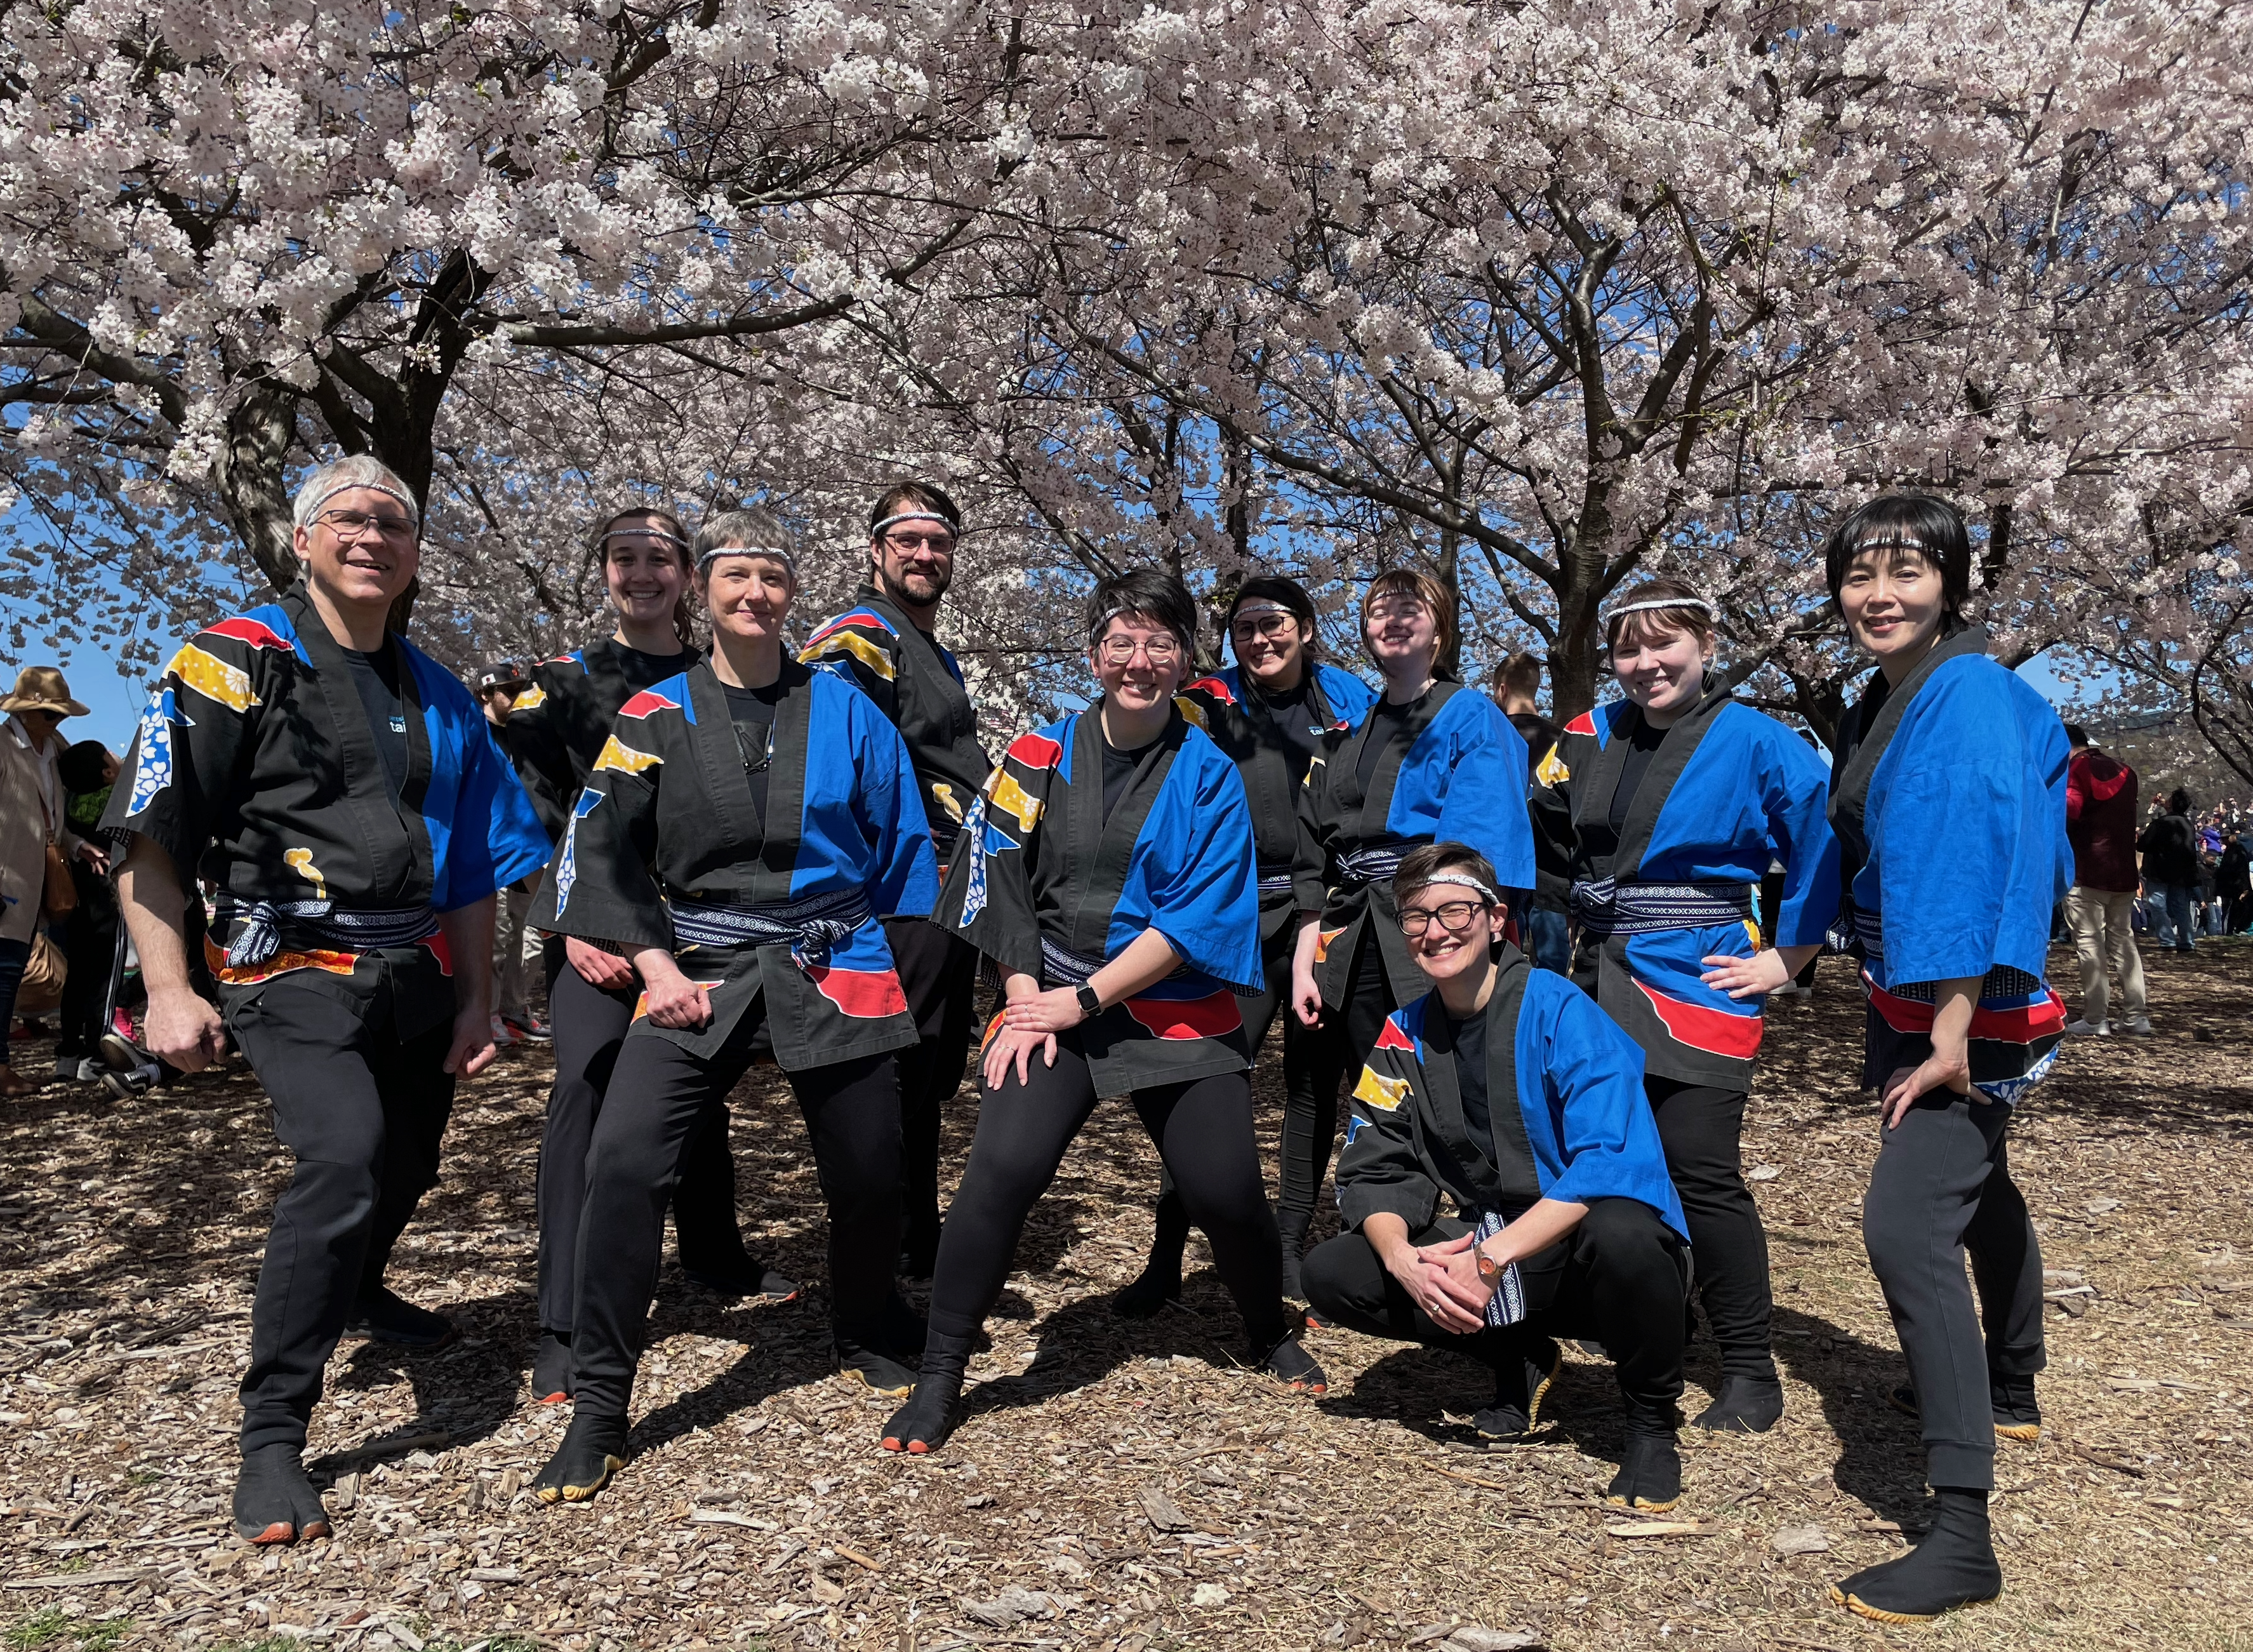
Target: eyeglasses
[(1455, 916), (350, 525), (1160, 651), (1271, 625), (937, 544)]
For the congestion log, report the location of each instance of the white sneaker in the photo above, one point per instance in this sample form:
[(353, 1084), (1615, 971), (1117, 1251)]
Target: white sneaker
[(2141, 1027), (2085, 1028)]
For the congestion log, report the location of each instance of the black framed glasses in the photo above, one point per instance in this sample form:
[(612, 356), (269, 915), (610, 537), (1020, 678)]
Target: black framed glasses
[(1161, 650), (937, 544), (1269, 625), (1456, 917)]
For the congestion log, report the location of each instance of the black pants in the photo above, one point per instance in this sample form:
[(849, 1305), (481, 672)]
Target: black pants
[(1617, 1277), (1703, 1132), (661, 1102), (89, 942), (938, 972), (1203, 1131), (364, 1111), (1942, 1186), (1331, 1055), (590, 1025)]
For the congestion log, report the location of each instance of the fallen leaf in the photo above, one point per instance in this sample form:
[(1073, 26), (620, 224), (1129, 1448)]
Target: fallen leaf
[(1764, 1173), (1473, 1637), (2098, 1207), (1208, 1594), (1165, 1513)]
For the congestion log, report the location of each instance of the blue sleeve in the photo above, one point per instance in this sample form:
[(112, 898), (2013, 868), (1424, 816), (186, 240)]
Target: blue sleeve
[(1796, 795), (1580, 1084), (1951, 826), (1205, 899), (493, 835), (905, 883), (1486, 803), (1349, 697)]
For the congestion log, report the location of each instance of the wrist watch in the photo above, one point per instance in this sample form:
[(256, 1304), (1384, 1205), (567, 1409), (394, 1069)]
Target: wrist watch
[(1091, 1006)]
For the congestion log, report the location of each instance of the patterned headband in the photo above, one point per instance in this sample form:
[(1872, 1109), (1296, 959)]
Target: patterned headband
[(898, 517), (1464, 880), (704, 562), (413, 509), (1652, 604), (663, 536)]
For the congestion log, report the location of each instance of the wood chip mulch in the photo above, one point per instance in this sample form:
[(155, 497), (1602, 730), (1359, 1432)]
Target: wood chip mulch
[(1118, 1485)]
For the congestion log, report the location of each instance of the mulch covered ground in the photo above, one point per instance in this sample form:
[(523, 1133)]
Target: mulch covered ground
[(1117, 1485)]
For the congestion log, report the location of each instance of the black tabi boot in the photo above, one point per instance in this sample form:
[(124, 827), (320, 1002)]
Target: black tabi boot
[(1160, 1286), (1954, 1566), (745, 1278), (1291, 1365), (1523, 1369), (2012, 1400), (382, 1315), (1745, 1405), (1649, 1480), (594, 1448), (551, 1368), (932, 1413), (274, 1500), (1291, 1227)]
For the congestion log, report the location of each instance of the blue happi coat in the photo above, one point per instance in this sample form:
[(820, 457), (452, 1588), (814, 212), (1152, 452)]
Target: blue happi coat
[(255, 767), (1581, 1129), (667, 843), (1054, 890), (1455, 772), (1728, 791), (1949, 801)]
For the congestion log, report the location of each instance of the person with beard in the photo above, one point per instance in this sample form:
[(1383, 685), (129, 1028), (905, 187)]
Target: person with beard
[(887, 644), (557, 728)]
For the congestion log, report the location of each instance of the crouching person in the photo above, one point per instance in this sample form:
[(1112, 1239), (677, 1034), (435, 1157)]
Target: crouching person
[(1506, 1091)]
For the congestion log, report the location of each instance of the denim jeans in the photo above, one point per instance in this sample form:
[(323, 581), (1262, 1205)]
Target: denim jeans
[(2179, 925), (1548, 940)]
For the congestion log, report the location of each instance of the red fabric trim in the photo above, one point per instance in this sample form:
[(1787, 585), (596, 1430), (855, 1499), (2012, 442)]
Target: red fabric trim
[(871, 995), (2025, 1025), (256, 633), (1715, 1031), (1036, 751), (647, 701), (1393, 1038), (1207, 1017)]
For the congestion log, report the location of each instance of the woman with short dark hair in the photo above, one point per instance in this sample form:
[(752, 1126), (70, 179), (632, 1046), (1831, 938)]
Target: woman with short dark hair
[(1107, 873), (1948, 798), (2169, 845), (1269, 713)]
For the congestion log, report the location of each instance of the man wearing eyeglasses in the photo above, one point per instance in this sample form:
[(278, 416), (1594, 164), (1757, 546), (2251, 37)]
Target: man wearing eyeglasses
[(337, 787), (885, 643)]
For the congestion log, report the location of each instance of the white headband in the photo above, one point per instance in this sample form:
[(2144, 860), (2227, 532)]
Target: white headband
[(1655, 603), (704, 562), (1258, 606), (384, 488), (898, 517), (1095, 632), (663, 535), (1464, 880)]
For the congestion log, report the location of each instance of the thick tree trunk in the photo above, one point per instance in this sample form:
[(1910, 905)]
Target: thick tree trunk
[(252, 479)]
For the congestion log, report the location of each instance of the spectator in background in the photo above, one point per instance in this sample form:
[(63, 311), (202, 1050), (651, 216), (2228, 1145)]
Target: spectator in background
[(2233, 882), (89, 934), (514, 1020), (30, 820), (1516, 684), (2100, 819), (2169, 845)]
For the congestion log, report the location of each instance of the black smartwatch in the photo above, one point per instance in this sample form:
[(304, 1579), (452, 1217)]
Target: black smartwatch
[(1090, 1005)]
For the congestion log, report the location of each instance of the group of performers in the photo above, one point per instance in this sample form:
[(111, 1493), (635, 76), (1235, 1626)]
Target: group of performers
[(750, 852)]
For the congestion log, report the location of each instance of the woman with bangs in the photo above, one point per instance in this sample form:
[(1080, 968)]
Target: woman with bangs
[(1680, 800), (1948, 800), (555, 731), (1428, 762), (1269, 713)]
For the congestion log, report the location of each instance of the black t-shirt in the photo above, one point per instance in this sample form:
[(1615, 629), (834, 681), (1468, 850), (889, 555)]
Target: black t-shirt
[(1388, 723), (1601, 838), (1470, 1039), (1288, 721), (1539, 733), (376, 676), (1118, 768), (752, 711), (644, 671)]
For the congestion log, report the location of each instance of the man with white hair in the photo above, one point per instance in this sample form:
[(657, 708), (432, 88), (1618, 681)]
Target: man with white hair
[(336, 786)]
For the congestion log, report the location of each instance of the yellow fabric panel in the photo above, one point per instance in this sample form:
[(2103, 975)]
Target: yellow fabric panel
[(1013, 799), (851, 642), (213, 678), (1383, 1094), (624, 758)]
